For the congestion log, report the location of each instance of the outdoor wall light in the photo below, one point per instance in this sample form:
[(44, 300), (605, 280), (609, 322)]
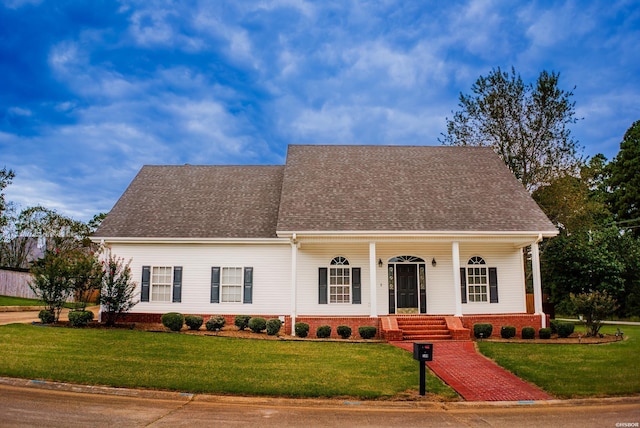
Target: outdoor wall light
[(379, 262), (433, 262)]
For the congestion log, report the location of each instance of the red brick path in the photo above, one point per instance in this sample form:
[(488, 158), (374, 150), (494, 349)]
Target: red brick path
[(475, 377)]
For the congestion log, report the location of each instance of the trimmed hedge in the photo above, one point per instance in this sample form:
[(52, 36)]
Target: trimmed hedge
[(367, 332), (273, 326), (344, 331), (544, 333), (241, 321), (194, 322), (80, 318), (565, 329), (323, 331), (482, 331), (528, 333), (507, 332), (215, 323), (46, 316), (173, 321), (257, 324), (302, 329)]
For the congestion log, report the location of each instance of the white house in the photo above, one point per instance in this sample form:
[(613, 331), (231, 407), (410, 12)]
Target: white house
[(399, 237)]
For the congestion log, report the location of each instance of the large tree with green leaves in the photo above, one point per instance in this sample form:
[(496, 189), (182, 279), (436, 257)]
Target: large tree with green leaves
[(527, 124), (6, 176), (624, 181)]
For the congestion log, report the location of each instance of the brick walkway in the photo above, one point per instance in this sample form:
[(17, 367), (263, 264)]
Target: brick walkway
[(475, 377)]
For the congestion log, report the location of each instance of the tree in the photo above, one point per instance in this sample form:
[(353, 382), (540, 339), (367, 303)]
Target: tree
[(86, 275), (575, 203), (118, 291), (624, 181), (525, 124), (52, 282), (594, 308), (6, 176)]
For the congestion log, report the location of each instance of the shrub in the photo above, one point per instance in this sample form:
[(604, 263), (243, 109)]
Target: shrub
[(367, 332), (257, 324), (80, 318), (544, 333), (241, 321), (173, 321), (344, 331), (273, 326), (565, 329), (528, 333), (482, 331), (46, 316), (215, 323), (554, 326), (507, 332), (302, 329), (323, 331), (194, 322), (594, 307)]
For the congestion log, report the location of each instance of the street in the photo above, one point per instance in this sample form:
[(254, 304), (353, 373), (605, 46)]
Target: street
[(26, 404)]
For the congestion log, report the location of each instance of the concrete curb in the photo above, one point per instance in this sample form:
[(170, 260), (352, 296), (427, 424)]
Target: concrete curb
[(316, 402)]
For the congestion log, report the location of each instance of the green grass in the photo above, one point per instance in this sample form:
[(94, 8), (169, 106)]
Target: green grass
[(169, 361), (568, 371), (18, 301)]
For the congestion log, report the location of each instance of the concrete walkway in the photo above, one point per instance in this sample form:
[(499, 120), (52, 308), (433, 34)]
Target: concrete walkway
[(475, 377)]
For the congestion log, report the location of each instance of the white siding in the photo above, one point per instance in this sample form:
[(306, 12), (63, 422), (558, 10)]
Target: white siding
[(271, 275)]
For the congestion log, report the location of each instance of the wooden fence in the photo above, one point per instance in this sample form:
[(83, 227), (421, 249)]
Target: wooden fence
[(16, 284)]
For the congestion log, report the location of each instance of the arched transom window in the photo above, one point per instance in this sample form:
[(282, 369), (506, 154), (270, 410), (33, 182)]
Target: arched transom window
[(339, 280), (477, 279)]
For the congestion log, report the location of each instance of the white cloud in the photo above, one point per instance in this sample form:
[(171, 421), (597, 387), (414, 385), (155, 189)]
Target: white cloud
[(17, 4)]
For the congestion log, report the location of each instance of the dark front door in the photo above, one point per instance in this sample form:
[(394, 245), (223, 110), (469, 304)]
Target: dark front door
[(407, 286)]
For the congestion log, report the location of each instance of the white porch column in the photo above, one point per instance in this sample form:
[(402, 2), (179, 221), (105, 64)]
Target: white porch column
[(455, 257), (537, 282), (373, 295), (294, 286)]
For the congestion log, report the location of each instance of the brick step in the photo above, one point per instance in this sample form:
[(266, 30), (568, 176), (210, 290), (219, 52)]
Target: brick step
[(403, 323), (427, 337), (426, 331)]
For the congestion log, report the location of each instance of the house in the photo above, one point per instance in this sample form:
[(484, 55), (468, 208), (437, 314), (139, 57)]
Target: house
[(388, 236)]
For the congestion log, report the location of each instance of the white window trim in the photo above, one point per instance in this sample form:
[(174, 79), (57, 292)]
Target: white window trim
[(339, 263), (239, 285), (153, 284), (474, 263)]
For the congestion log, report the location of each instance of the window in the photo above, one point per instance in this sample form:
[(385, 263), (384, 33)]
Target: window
[(231, 284), (477, 279), (161, 283), (339, 281)]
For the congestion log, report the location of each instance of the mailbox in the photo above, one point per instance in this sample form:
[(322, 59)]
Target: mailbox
[(422, 351)]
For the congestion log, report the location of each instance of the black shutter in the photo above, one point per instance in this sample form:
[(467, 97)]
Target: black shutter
[(215, 284), (392, 291), (356, 286), (463, 285), (146, 276), (322, 286), (248, 285), (493, 285), (177, 284)]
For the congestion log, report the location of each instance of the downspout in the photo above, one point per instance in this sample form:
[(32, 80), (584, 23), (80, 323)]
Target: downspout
[(294, 274)]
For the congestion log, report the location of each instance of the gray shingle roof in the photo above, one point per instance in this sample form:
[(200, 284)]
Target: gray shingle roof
[(330, 188), (415, 188), (198, 202)]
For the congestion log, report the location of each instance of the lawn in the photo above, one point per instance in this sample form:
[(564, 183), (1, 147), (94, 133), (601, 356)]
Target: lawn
[(568, 371), (18, 301), (170, 361)]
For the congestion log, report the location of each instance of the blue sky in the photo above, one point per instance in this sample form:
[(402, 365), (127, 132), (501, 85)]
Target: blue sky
[(93, 90)]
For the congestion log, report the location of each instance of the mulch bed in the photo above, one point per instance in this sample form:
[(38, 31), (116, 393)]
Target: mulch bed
[(575, 338)]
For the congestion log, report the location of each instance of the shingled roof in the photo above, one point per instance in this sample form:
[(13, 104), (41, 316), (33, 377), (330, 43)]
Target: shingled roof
[(330, 189), (198, 202), (400, 188)]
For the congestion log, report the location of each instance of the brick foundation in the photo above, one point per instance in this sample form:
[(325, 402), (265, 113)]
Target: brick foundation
[(461, 327), (499, 320)]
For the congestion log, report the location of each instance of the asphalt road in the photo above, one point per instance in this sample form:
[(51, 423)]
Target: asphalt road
[(28, 404)]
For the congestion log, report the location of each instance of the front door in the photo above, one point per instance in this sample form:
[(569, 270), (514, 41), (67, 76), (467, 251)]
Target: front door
[(407, 288)]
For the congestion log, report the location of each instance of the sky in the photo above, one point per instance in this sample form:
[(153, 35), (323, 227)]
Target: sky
[(90, 91)]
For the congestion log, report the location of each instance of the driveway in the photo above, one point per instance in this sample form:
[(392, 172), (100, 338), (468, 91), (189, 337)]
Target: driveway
[(27, 317)]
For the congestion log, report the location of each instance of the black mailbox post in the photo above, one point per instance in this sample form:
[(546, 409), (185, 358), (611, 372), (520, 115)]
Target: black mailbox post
[(422, 352)]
